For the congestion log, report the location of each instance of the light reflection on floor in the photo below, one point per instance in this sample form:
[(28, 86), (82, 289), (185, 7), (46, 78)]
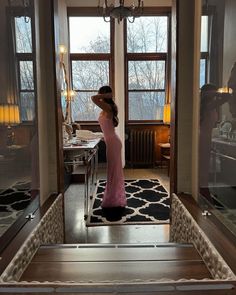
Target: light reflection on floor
[(77, 232)]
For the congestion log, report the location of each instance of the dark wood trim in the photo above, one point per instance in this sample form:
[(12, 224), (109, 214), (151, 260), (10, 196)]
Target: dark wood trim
[(126, 73), (7, 237), (147, 55), (58, 107), (148, 11), (208, 9), (147, 90), (174, 98), (57, 87), (144, 122), (220, 236), (91, 11), (94, 11), (9, 252), (90, 56)]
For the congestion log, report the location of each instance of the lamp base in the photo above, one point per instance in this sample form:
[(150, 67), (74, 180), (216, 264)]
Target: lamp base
[(10, 136)]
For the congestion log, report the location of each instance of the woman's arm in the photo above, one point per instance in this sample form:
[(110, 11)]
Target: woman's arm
[(98, 100)]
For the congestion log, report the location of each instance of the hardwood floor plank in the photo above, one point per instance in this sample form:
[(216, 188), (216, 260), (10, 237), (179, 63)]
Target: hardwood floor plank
[(115, 271), (114, 254)]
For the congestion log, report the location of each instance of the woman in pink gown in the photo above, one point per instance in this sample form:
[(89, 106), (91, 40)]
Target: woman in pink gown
[(114, 195)]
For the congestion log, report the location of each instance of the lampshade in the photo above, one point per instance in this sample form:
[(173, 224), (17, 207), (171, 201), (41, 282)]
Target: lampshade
[(9, 114), (166, 114), (225, 89)]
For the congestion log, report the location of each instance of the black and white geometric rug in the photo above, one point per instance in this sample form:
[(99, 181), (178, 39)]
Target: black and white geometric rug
[(147, 203), (13, 201)]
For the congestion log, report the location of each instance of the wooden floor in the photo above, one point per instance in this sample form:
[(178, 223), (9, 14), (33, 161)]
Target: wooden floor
[(116, 263), (77, 232)]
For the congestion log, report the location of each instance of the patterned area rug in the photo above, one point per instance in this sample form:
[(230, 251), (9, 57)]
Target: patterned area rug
[(147, 203), (12, 202)]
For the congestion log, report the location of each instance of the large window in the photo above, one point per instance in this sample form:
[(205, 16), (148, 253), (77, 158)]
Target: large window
[(204, 50), (146, 64), (25, 66), (91, 63)]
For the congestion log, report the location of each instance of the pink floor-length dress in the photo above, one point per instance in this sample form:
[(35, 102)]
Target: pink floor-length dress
[(114, 195)]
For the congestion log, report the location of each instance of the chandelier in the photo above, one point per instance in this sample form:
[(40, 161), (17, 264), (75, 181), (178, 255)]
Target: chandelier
[(118, 11), (24, 4)]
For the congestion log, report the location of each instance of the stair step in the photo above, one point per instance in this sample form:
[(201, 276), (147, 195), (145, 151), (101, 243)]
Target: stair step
[(160, 253), (120, 263)]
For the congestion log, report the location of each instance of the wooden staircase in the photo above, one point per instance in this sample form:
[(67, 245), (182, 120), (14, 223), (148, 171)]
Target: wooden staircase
[(116, 263)]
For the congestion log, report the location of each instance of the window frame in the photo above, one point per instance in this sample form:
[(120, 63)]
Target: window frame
[(148, 11), (209, 11), (92, 12), (14, 13)]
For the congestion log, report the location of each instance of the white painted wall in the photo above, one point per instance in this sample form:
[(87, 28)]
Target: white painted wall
[(119, 84)]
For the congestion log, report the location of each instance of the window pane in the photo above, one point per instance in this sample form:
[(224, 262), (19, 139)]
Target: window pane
[(146, 105), (89, 35), (204, 33), (23, 35), (27, 106), (90, 75), (83, 109), (146, 75), (202, 72), (147, 34), (26, 75)]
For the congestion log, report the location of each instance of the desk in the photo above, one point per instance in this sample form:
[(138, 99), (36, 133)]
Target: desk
[(165, 154), (84, 155)]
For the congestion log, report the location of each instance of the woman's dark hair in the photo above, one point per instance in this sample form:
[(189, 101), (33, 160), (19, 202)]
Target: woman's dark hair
[(208, 96), (110, 101)]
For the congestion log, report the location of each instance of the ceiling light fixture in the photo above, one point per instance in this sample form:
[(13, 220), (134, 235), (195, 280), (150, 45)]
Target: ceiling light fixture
[(118, 11)]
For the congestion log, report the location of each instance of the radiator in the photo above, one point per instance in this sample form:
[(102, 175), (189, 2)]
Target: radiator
[(141, 147)]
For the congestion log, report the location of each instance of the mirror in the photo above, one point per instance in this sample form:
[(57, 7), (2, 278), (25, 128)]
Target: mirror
[(66, 97), (64, 90), (217, 141), (19, 161)]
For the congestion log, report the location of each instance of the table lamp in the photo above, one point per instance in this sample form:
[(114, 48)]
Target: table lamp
[(9, 116), (166, 118), (166, 114)]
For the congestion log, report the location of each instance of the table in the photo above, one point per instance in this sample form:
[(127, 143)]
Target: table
[(85, 155)]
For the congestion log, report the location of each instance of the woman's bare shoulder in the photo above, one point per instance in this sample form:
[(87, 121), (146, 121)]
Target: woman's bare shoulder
[(107, 114)]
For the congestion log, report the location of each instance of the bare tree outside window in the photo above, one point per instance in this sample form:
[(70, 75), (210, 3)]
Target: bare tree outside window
[(91, 71), (23, 35), (25, 60), (147, 46), (146, 55), (204, 49)]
